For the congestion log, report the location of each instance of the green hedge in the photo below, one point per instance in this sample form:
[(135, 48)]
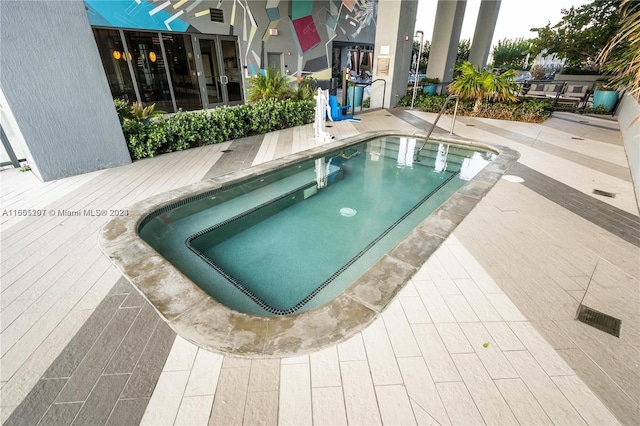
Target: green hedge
[(532, 111), (185, 130)]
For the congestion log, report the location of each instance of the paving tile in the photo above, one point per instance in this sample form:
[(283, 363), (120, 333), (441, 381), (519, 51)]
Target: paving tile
[(433, 301), (146, 373), (130, 350), (415, 310), (302, 359), (203, 379), (359, 394), (437, 357), (548, 359), (478, 301), (264, 375), (382, 361), (194, 410), (233, 362), (101, 400), (352, 349), (122, 286), (128, 412), (75, 351), (89, 370), (37, 402), (295, 395), (395, 408), (60, 414), (459, 405), (554, 403), (231, 396), (134, 299), (328, 406), (399, 331), (624, 407), (453, 338), (182, 355), (261, 408), (421, 389), (409, 290), (491, 356), (588, 405), (166, 399), (522, 403), (503, 336), (440, 277), (486, 395), (505, 307), (325, 368), (460, 308)]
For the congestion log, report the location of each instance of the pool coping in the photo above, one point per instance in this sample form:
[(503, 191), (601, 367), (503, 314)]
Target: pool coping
[(200, 319)]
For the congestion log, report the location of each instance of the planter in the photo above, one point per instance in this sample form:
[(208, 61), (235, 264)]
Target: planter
[(429, 89), (605, 98), (359, 92)]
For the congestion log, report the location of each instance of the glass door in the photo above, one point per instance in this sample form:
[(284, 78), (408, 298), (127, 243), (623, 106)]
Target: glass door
[(232, 75), (219, 70)]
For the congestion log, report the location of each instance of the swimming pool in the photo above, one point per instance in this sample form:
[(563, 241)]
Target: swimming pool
[(306, 250)]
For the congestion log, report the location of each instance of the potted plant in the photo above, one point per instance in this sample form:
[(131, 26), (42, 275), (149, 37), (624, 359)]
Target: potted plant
[(429, 85), (605, 95)]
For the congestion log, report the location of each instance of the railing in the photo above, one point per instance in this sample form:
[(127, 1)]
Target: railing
[(433, 126)]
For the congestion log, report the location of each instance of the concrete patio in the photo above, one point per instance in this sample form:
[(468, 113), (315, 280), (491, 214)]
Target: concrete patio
[(485, 332)]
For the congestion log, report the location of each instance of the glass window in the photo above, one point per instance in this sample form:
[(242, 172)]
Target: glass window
[(115, 64), (182, 68), (149, 68)]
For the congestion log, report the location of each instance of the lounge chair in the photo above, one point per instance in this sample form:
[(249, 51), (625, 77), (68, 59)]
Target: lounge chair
[(337, 112)]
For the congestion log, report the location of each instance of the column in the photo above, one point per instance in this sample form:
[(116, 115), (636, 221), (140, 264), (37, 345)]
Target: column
[(392, 56), (483, 34), (446, 36)]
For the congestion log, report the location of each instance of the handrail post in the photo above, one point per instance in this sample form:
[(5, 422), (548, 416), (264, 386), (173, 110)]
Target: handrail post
[(444, 106), (455, 112)]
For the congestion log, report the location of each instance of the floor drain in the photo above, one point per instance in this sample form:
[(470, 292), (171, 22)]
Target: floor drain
[(328, 125), (576, 138), (596, 319), (470, 125), (604, 193), (227, 150), (348, 212)]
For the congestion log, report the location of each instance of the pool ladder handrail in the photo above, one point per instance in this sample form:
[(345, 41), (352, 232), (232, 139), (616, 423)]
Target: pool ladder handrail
[(433, 126)]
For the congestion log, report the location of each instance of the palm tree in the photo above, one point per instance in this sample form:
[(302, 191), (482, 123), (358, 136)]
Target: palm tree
[(480, 85), (621, 56), (270, 85)]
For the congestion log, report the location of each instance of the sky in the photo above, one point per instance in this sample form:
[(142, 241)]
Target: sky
[(515, 18)]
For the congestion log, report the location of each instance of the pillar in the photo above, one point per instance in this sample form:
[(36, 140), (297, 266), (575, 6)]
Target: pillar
[(446, 36), (392, 56), (483, 34), (55, 87)]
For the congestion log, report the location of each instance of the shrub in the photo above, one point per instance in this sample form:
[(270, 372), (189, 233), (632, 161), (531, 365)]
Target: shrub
[(185, 130), (532, 111)]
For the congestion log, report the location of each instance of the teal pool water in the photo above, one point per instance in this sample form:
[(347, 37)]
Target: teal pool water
[(294, 239)]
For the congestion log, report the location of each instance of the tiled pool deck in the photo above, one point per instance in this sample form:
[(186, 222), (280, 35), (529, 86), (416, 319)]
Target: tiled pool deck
[(483, 333)]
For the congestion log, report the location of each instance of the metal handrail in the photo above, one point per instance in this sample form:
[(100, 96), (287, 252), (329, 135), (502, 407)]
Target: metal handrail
[(433, 126)]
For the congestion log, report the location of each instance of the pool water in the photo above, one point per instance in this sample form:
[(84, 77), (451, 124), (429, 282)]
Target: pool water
[(295, 239)]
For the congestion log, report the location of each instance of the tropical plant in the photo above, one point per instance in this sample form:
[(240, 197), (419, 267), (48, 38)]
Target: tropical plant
[(306, 89), (581, 34), (464, 48), (625, 66), (480, 85), (429, 80), (123, 108), (140, 113), (268, 85), (510, 54)]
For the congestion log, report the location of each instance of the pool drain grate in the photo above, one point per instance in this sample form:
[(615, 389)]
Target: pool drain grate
[(596, 319), (227, 150)]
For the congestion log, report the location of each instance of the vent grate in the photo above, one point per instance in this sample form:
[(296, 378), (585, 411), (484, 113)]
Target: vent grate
[(217, 15), (604, 193), (596, 319)]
